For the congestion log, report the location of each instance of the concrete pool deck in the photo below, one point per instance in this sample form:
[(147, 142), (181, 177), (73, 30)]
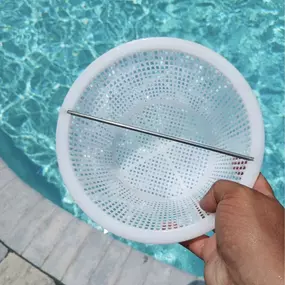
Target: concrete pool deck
[(58, 248)]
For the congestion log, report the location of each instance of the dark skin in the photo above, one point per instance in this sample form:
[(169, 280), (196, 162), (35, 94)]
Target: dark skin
[(248, 245)]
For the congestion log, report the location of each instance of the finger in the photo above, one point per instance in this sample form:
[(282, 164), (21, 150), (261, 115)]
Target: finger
[(262, 186), (209, 248), (196, 245), (217, 193)]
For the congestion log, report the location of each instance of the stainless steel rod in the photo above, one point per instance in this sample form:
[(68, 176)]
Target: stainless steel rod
[(162, 136)]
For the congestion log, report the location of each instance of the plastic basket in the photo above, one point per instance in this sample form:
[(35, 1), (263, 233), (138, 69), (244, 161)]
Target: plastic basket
[(141, 187)]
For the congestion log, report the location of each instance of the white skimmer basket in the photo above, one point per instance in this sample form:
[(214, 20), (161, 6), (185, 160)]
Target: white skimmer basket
[(139, 186)]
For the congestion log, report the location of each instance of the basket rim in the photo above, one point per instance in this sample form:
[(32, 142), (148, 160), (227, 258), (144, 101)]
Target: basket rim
[(96, 67)]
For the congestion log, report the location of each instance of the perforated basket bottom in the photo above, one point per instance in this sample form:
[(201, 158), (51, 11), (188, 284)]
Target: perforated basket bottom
[(142, 181), (146, 182), (141, 187)]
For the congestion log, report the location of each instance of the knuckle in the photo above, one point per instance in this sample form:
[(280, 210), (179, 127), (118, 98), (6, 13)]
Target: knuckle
[(241, 190), (239, 195), (218, 185), (231, 189)]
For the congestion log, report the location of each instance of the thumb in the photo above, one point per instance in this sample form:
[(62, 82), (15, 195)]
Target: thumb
[(218, 192)]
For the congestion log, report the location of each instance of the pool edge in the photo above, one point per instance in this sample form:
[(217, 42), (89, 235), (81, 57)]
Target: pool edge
[(68, 249)]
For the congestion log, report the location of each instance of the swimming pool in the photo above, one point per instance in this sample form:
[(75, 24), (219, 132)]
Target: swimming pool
[(44, 45)]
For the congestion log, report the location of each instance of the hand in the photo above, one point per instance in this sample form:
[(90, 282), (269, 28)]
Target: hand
[(248, 245)]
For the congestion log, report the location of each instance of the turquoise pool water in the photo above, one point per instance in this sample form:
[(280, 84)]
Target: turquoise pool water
[(44, 45)]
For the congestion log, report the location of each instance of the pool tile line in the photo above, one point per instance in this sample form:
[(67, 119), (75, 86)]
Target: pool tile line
[(10, 250), (3, 251)]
